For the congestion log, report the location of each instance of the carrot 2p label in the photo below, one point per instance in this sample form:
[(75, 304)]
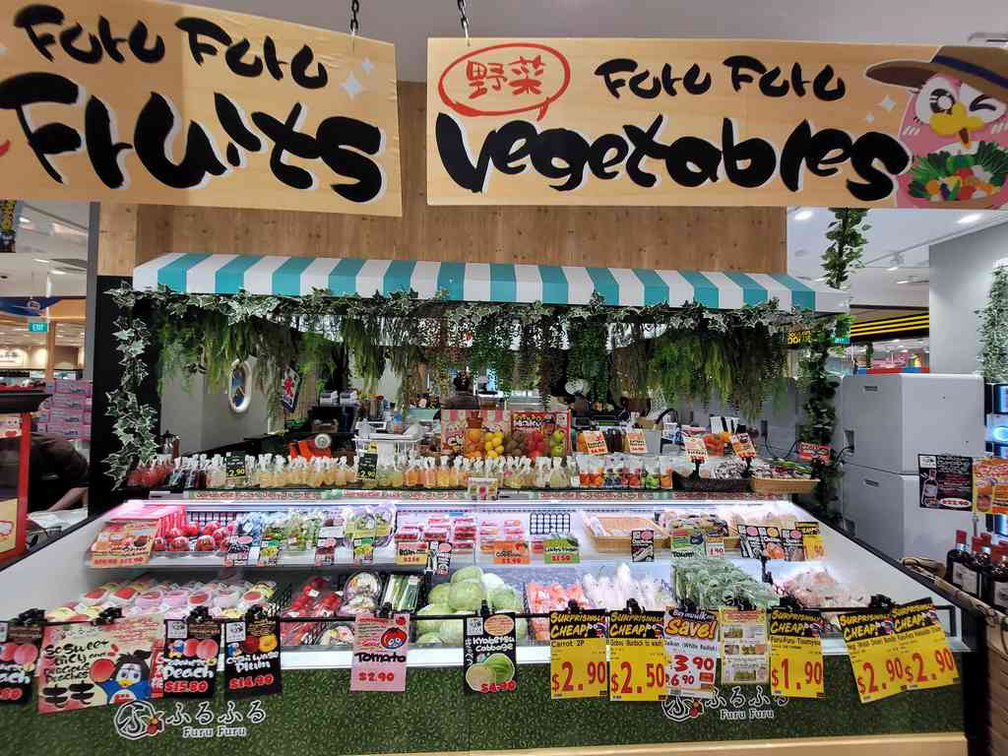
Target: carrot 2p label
[(19, 653), (251, 658), (189, 668)]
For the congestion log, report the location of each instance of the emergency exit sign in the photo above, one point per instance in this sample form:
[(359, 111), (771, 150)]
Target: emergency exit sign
[(38, 326)]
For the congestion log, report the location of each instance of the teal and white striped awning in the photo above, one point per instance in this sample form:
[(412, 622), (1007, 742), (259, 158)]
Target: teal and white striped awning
[(480, 282)]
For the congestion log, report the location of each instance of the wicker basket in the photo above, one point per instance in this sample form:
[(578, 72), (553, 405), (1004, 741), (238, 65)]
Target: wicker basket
[(784, 485), (621, 522)]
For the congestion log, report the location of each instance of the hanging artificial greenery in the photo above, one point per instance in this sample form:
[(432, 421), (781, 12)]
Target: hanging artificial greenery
[(993, 329), (741, 366), (846, 234), (204, 333)]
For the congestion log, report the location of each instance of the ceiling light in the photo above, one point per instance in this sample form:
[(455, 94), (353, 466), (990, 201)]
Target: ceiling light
[(971, 218), (821, 278), (905, 281), (40, 260), (24, 219), (803, 215), (56, 272)]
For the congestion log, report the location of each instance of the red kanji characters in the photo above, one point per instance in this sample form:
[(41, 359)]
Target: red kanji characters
[(480, 74), (529, 69)]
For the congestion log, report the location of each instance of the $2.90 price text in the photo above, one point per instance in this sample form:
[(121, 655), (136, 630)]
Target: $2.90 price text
[(589, 679), (918, 670)]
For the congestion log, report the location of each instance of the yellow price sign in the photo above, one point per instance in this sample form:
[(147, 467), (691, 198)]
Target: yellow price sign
[(637, 656), (411, 553), (873, 649), (924, 653), (578, 655), (796, 660)]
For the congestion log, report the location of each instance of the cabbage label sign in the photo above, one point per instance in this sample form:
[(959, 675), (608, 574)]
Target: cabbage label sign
[(137, 101), (715, 122)]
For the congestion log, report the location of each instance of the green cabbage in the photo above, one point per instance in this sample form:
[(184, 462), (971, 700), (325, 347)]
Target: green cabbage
[(452, 630), (431, 626), (506, 599), (439, 594), (472, 572), (492, 582), (429, 639), (466, 595)]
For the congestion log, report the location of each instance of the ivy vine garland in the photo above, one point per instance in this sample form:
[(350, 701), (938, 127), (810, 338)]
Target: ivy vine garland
[(205, 333)]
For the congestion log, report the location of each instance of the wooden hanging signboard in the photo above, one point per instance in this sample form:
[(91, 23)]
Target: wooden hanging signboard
[(138, 101), (715, 122)]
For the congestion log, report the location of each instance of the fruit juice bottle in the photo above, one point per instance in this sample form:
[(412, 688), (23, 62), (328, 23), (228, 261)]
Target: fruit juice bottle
[(455, 476), (665, 476), (412, 476), (542, 472), (351, 473), (464, 473), (382, 476), (583, 467), (397, 476), (429, 474), (443, 473), (598, 474), (339, 473), (558, 476), (573, 474)]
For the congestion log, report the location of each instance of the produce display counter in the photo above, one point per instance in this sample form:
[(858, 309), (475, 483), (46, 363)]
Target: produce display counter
[(316, 711)]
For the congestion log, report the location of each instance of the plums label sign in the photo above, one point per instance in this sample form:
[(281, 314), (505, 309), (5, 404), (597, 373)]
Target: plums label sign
[(19, 653), (251, 658), (190, 659), (379, 654)]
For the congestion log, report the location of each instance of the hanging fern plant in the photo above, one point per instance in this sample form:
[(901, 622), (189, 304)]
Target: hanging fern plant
[(994, 329)]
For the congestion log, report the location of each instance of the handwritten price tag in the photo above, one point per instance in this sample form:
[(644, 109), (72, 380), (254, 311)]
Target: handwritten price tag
[(636, 656), (692, 646), (743, 445), (695, 448), (578, 655), (594, 443), (796, 660), (873, 649), (809, 452), (411, 553), (636, 441), (511, 552)]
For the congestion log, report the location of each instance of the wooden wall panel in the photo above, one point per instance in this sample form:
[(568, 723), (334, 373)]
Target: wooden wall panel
[(117, 239), (689, 238)]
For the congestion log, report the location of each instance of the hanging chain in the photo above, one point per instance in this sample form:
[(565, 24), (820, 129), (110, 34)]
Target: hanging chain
[(354, 23), (463, 19)]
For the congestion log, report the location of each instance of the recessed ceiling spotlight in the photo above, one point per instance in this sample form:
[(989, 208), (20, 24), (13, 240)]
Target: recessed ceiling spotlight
[(803, 215)]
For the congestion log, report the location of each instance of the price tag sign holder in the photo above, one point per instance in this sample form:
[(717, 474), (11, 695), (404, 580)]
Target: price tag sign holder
[(636, 655), (578, 654), (796, 660), (873, 649), (693, 645)]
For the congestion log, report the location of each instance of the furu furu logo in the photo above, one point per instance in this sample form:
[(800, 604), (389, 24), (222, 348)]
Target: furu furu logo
[(738, 706)]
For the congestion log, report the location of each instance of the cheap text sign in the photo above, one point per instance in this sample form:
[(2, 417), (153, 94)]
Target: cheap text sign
[(176, 104), (714, 122)]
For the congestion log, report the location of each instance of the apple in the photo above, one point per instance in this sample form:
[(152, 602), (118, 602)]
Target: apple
[(210, 527), (181, 543), (174, 533), (206, 543)]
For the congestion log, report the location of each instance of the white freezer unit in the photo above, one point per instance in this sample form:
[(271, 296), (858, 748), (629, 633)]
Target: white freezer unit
[(890, 419), (886, 513)]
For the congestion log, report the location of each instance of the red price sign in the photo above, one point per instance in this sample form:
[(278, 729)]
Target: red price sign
[(250, 681), (511, 552), (810, 452)]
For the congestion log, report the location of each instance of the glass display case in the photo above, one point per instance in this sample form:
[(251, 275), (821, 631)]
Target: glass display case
[(317, 563)]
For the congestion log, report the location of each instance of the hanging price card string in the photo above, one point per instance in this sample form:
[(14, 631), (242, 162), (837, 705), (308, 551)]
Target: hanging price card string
[(636, 654), (578, 653), (923, 651), (21, 639), (873, 650), (692, 645), (796, 660)]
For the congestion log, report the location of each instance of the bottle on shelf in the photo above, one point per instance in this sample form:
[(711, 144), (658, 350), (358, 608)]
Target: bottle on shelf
[(997, 584), (983, 561), (960, 567)]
